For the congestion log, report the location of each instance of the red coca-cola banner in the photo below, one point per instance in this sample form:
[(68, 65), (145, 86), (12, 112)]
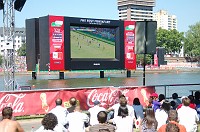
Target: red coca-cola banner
[(41, 102), (129, 45), (56, 41)]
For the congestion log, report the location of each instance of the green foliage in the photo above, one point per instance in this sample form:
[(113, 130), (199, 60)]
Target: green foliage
[(192, 40), (22, 50), (171, 40), (140, 59), (1, 60)]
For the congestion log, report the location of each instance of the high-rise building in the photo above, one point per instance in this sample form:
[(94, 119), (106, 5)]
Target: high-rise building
[(20, 38), (165, 21), (137, 10)]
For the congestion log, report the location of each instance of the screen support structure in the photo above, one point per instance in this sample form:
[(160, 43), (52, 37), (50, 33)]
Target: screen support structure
[(9, 43), (145, 51)]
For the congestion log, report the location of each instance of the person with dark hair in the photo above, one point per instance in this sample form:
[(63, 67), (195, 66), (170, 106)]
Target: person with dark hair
[(8, 125), (94, 111), (171, 127), (173, 105), (161, 97), (60, 112), (197, 97), (197, 102), (162, 113), (172, 119), (138, 108), (77, 120), (149, 123), (188, 116), (73, 103), (49, 121), (176, 100), (102, 126), (123, 121), (122, 102)]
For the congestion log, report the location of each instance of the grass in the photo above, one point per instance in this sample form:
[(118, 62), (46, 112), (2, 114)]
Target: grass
[(86, 47)]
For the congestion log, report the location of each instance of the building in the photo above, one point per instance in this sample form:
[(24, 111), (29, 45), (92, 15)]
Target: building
[(20, 38), (137, 10), (165, 21)]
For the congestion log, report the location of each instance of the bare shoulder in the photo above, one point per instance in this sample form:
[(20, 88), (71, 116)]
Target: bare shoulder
[(18, 126)]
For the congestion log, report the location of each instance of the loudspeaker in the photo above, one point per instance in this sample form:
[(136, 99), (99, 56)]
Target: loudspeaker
[(1, 5), (145, 31), (160, 54), (19, 4), (32, 43)]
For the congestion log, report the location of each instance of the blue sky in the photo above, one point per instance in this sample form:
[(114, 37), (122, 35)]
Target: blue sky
[(187, 12)]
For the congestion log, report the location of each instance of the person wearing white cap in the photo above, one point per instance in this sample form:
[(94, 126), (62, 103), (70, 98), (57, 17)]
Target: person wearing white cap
[(94, 111)]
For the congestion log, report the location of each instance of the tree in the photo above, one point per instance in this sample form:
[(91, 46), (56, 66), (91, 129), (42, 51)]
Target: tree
[(22, 50), (192, 40), (140, 59), (171, 40)]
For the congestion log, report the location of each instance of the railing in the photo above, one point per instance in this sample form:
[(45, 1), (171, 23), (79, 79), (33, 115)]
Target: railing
[(182, 88)]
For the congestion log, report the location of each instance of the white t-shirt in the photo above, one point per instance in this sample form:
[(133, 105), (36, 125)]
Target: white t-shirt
[(57, 128), (130, 110), (61, 114), (123, 124), (161, 117), (76, 121), (93, 114), (188, 117)]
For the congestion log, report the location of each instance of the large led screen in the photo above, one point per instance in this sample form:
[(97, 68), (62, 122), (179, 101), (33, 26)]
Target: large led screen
[(92, 42)]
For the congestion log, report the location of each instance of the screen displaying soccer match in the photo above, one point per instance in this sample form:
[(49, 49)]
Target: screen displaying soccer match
[(92, 42)]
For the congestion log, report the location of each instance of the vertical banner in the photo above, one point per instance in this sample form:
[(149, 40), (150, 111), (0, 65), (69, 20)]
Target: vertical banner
[(129, 45), (56, 36), (156, 58)]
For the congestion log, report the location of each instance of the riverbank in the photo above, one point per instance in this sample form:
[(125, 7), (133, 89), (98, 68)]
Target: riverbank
[(138, 70)]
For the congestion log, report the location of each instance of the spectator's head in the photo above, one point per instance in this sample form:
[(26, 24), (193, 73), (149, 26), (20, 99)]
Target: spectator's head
[(122, 100), (173, 115), (186, 101), (7, 113), (96, 102), (154, 96), (73, 101), (49, 121), (166, 105), (161, 97), (150, 118), (77, 108), (197, 95), (173, 104), (172, 127), (123, 111), (191, 98), (58, 101), (136, 101), (102, 117), (175, 96)]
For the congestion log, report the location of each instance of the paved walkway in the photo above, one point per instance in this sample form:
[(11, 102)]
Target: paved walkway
[(29, 123)]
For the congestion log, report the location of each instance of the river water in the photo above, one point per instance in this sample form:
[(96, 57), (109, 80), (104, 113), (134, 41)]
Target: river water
[(91, 79)]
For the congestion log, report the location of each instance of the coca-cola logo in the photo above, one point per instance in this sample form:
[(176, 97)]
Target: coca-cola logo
[(106, 97), (13, 101)]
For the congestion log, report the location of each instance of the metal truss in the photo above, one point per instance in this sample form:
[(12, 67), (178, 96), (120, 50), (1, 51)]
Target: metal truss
[(9, 45)]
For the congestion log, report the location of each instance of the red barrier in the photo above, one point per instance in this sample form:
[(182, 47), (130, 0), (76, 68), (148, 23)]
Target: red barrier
[(41, 102)]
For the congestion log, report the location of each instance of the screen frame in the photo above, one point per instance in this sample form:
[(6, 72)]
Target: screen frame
[(93, 63)]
